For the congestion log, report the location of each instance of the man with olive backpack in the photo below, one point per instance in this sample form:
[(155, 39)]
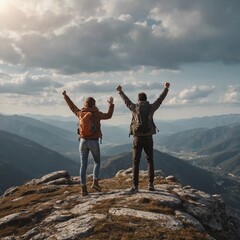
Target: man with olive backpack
[(89, 134), (142, 128)]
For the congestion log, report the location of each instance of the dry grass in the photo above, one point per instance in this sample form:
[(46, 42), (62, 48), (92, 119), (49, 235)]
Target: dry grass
[(132, 228), (28, 198), (126, 228)]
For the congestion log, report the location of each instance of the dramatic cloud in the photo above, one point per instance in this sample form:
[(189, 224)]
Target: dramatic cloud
[(46, 101), (196, 92), (28, 85), (9, 52), (89, 36), (88, 86), (194, 95), (88, 47), (232, 95), (4, 75)]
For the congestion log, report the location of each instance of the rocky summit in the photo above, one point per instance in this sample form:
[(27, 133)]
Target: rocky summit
[(52, 208)]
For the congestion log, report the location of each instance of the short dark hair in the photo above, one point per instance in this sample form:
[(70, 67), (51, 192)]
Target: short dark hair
[(90, 102), (142, 96)]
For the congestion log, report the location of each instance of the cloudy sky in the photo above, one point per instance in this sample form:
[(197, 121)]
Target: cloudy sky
[(89, 47)]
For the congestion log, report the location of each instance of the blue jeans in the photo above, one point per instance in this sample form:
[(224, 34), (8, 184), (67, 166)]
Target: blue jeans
[(85, 146)]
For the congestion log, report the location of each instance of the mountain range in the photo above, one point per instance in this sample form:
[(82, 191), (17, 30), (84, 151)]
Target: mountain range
[(204, 140), (49, 136), (218, 147), (22, 159), (32, 147), (11, 176), (186, 173), (166, 127), (205, 121)]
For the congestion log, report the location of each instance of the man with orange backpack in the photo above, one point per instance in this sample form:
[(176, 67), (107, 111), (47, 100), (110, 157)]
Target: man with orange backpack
[(90, 131)]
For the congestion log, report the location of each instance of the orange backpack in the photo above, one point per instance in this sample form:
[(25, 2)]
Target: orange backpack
[(87, 126)]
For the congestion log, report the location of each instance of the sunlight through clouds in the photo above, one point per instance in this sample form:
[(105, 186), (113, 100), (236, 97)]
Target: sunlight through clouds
[(90, 47)]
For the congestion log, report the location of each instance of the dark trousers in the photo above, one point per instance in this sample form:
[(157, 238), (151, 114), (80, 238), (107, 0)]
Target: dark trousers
[(142, 143)]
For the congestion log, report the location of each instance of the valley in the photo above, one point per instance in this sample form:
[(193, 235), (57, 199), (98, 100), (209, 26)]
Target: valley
[(205, 158), (196, 160)]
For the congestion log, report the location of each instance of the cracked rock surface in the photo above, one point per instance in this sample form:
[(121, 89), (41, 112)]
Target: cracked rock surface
[(52, 208)]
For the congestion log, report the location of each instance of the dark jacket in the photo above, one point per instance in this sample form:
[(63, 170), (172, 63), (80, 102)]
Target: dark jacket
[(153, 107), (97, 115)]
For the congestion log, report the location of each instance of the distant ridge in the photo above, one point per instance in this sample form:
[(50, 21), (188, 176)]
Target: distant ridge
[(11, 175), (169, 165), (219, 146), (24, 159), (164, 126), (208, 121), (204, 140), (52, 137), (185, 172)]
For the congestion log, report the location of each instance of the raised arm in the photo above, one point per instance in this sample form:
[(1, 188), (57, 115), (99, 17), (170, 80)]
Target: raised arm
[(70, 104), (161, 97), (109, 114), (125, 99)]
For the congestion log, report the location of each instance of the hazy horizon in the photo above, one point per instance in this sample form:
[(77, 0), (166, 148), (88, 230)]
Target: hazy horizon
[(125, 119)]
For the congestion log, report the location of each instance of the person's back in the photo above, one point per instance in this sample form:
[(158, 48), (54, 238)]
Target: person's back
[(89, 132), (142, 128), (143, 124)]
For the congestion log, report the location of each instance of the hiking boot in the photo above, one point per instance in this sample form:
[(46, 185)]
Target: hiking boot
[(84, 191), (151, 187), (133, 189), (96, 186)]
